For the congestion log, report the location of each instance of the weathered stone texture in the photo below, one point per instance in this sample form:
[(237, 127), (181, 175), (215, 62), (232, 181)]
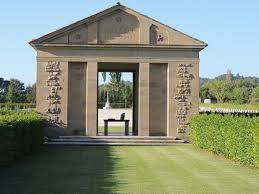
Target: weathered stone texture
[(77, 98), (91, 98), (119, 28), (158, 99), (143, 101)]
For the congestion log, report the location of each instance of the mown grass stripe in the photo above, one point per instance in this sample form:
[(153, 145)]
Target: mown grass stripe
[(121, 169), (245, 174)]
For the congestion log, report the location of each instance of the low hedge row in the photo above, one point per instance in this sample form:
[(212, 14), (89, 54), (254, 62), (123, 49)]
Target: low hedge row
[(20, 134), (17, 106), (5, 112), (236, 138)]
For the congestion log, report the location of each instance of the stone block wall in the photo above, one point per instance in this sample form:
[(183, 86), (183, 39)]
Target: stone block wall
[(52, 94)]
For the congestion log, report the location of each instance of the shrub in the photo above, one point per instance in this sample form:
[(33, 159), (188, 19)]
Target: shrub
[(20, 133), (234, 137), (5, 112), (17, 106)]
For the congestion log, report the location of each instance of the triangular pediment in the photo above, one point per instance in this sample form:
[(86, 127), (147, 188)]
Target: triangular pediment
[(118, 25)]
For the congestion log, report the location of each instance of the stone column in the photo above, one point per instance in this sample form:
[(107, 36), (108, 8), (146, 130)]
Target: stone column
[(143, 101), (91, 98), (64, 92), (171, 105), (183, 95)]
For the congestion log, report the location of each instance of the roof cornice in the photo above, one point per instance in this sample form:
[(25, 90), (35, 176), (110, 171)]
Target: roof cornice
[(89, 46)]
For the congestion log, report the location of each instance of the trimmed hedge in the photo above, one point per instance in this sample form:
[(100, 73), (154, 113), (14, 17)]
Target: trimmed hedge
[(234, 137), (17, 106), (21, 132)]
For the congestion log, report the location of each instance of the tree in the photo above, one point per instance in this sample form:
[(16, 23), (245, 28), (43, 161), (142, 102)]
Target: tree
[(30, 93), (237, 90), (205, 91), (3, 89), (115, 77), (238, 95), (216, 89), (104, 76), (120, 95), (127, 95), (255, 95), (221, 90), (15, 91)]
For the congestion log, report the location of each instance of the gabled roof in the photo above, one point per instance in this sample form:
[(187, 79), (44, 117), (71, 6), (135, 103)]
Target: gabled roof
[(96, 17), (89, 19)]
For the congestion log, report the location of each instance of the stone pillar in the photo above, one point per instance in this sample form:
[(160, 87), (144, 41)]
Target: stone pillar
[(143, 101), (91, 98), (64, 93), (183, 95), (171, 105)]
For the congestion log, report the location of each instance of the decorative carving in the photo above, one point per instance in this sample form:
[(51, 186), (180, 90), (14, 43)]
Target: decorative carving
[(53, 70), (183, 95), (160, 38), (78, 36), (153, 34), (157, 36), (119, 28), (118, 19)]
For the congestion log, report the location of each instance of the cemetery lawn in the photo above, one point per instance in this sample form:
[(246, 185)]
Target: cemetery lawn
[(122, 169), (116, 129)]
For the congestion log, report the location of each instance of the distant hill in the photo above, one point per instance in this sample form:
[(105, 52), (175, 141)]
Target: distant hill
[(224, 77)]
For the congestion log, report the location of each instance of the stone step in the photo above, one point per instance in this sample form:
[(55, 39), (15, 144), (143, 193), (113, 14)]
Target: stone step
[(108, 140), (114, 143), (119, 137), (119, 140)]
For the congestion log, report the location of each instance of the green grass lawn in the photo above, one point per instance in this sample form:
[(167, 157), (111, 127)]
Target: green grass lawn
[(146, 169), (228, 105), (119, 129)]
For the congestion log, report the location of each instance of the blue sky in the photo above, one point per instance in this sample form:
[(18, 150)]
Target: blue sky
[(231, 29)]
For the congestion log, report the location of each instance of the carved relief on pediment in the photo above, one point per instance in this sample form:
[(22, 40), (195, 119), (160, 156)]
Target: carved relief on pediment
[(158, 36), (92, 36), (62, 39), (119, 28), (78, 36)]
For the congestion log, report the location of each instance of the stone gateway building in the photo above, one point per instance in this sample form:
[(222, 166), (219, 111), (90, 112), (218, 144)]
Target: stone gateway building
[(164, 62)]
